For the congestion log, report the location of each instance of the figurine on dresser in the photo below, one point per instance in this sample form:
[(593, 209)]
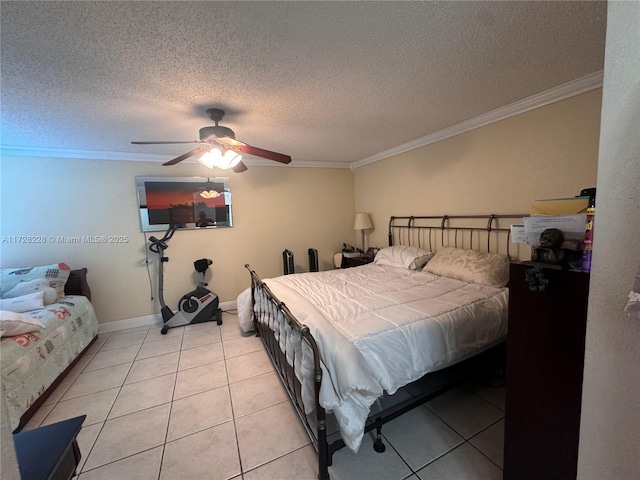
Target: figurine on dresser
[(551, 251)]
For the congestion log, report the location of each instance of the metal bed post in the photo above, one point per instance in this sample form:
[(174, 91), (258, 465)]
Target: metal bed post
[(489, 225), (443, 227), (390, 231)]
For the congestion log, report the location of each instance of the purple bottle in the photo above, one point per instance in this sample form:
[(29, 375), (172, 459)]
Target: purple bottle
[(588, 240)]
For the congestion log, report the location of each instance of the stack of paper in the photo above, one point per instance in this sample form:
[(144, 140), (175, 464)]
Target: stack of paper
[(566, 214)]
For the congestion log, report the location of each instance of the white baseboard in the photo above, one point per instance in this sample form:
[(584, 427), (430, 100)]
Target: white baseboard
[(145, 321), (226, 306), (148, 320)]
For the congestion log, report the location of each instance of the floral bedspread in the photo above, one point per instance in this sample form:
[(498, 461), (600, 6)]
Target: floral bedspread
[(32, 362)]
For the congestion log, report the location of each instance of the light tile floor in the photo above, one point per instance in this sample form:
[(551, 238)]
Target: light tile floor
[(203, 402)]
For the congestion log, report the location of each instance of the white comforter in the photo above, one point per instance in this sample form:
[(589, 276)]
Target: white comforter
[(381, 327)]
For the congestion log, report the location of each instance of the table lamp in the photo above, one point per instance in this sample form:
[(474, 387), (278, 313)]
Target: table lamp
[(363, 222)]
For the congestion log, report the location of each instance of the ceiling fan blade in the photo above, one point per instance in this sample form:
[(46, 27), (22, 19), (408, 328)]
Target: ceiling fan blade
[(230, 142), (239, 168), (184, 156), (163, 143), (259, 152)]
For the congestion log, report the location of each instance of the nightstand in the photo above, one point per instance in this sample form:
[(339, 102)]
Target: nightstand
[(348, 262)]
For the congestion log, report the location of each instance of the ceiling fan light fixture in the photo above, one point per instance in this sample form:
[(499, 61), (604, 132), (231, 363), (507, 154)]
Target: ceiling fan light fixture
[(230, 159), (208, 159), (210, 194), (216, 158), (219, 147)]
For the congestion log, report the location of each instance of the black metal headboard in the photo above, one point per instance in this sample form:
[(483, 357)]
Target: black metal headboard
[(487, 233)]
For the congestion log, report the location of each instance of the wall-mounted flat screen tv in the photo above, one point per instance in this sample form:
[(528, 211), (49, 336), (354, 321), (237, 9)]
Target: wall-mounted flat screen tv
[(185, 202)]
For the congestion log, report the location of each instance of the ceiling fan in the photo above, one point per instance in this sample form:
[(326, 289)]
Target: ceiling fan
[(219, 147)]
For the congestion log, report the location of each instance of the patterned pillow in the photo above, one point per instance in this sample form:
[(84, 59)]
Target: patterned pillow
[(470, 266), (56, 274), (413, 258), (12, 323)]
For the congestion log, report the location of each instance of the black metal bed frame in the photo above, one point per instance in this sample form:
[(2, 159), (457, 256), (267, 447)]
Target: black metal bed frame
[(419, 231), (422, 231)]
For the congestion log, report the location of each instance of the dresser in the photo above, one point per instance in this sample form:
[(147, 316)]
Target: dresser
[(545, 361)]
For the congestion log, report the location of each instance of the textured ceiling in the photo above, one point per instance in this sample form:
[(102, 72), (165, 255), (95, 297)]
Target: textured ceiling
[(325, 82)]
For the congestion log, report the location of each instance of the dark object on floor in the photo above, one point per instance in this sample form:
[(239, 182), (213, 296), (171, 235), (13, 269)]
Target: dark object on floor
[(49, 452)]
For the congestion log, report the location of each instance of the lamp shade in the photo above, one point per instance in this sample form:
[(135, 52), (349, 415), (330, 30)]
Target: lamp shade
[(363, 221)]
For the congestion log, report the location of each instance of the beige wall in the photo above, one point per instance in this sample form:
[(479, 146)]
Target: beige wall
[(549, 152), (273, 208), (499, 168), (610, 423)]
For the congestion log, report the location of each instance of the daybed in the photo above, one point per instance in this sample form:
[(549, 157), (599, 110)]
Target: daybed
[(413, 322), (40, 346)]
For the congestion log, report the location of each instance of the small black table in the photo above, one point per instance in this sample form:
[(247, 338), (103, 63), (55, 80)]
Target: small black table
[(49, 452), (348, 262)]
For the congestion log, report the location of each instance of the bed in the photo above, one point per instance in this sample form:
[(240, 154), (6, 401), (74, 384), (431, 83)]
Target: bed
[(40, 346), (370, 343)]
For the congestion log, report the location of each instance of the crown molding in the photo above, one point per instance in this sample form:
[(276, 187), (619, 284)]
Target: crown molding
[(556, 94), (306, 164), (43, 152)]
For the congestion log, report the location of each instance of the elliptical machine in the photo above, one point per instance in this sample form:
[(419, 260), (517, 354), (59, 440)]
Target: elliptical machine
[(197, 306)]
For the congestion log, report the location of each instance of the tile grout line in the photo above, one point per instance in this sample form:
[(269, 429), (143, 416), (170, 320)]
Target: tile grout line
[(479, 450), (110, 409), (173, 394), (465, 440), (233, 414), (426, 404), (389, 443), (499, 407)]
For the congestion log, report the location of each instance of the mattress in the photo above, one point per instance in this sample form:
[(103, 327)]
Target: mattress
[(381, 327), (33, 361)]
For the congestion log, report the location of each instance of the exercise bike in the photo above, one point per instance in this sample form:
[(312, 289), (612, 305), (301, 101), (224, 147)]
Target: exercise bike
[(197, 306)]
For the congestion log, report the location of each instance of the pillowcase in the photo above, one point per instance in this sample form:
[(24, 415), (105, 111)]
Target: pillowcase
[(55, 274), (12, 323), (35, 285), (413, 258), (32, 301), (470, 266)]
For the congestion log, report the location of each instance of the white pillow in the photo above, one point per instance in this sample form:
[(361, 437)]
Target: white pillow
[(470, 266), (32, 301), (31, 286), (245, 311), (413, 258), (12, 323)]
